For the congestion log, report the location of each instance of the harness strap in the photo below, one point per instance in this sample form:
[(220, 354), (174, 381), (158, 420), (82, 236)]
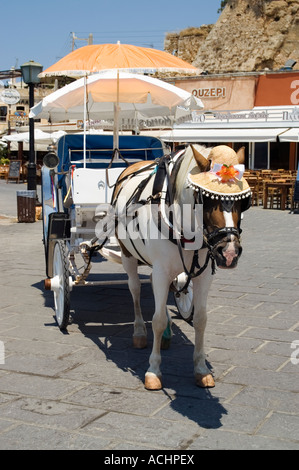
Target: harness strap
[(114, 154), (190, 274), (221, 231), (138, 191), (124, 178), (162, 172)]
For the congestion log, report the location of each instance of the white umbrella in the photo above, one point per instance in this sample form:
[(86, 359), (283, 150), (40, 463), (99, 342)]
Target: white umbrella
[(118, 95), (39, 135), (24, 136)]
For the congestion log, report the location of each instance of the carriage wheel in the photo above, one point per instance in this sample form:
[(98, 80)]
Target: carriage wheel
[(184, 300), (61, 284)]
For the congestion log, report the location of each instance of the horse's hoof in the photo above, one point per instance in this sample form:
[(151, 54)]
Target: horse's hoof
[(139, 342), (204, 381), (152, 381)]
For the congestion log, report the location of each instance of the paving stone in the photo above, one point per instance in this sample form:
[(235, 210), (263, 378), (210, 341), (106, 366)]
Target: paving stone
[(264, 378), (229, 440), (154, 432), (247, 359), (34, 385), (268, 399), (24, 437), (281, 425), (112, 399), (46, 412)]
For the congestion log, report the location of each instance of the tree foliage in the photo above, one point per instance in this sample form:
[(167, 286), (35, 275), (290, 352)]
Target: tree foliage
[(222, 5)]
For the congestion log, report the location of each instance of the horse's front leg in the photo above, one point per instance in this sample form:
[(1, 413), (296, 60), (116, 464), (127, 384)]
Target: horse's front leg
[(201, 286), (130, 265), (160, 281)]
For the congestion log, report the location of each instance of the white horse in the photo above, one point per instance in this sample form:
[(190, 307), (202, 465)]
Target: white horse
[(154, 188)]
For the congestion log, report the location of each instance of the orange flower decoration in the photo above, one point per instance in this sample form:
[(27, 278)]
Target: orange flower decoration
[(227, 173)]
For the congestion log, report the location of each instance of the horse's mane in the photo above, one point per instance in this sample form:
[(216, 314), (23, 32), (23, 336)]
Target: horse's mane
[(187, 164)]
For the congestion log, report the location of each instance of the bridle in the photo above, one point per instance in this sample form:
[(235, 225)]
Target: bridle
[(211, 241), (225, 235)]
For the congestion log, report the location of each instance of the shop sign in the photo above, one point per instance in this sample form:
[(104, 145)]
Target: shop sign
[(213, 92), (291, 115), (10, 96), (228, 116), (260, 116), (295, 94), (278, 90)]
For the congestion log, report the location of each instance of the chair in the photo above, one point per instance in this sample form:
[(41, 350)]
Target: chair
[(274, 195), (254, 184), (290, 198), (4, 171)]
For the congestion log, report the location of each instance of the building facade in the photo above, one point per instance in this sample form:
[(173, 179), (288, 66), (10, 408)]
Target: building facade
[(257, 110)]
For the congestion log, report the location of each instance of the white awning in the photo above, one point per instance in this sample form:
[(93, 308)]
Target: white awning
[(291, 135), (222, 135)]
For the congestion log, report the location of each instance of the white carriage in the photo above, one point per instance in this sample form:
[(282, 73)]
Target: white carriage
[(77, 187)]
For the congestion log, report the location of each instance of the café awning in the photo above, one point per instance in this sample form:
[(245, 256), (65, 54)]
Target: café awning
[(291, 135), (222, 135)]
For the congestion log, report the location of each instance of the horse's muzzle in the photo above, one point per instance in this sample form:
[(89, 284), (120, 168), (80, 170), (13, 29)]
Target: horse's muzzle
[(227, 256)]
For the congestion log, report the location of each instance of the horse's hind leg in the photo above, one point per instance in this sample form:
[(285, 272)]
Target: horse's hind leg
[(130, 265)]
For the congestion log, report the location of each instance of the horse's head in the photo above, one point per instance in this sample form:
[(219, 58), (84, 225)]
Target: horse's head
[(225, 194)]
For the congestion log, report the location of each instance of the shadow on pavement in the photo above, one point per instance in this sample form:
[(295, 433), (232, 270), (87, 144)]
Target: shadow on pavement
[(105, 316)]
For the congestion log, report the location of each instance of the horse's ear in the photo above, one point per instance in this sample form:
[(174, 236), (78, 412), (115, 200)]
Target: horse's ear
[(201, 161), (241, 155)]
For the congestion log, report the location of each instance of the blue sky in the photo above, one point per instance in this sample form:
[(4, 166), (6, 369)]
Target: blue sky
[(41, 31)]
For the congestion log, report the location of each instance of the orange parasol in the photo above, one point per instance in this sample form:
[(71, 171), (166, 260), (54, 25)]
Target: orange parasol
[(124, 57)]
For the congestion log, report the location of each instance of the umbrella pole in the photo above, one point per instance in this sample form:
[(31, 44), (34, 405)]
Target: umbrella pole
[(84, 124), (116, 120)]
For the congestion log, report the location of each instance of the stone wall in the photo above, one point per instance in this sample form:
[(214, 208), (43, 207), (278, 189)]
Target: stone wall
[(250, 35), (186, 43)]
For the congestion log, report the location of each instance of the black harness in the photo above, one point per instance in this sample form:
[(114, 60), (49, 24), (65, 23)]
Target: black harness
[(211, 240), (161, 174)]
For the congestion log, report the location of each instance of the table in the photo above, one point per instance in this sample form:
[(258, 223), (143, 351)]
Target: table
[(283, 187)]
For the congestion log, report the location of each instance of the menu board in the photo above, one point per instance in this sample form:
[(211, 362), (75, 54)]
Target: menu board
[(14, 170)]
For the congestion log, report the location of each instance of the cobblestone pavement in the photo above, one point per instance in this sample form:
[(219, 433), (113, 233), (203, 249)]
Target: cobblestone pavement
[(84, 389)]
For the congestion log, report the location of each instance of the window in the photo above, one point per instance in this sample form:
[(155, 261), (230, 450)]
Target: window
[(261, 155), (3, 113)]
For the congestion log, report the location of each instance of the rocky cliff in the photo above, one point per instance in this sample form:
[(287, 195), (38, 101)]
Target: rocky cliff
[(186, 43), (250, 35)]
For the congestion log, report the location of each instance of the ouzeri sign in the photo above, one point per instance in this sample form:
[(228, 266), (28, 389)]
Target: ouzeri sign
[(213, 92)]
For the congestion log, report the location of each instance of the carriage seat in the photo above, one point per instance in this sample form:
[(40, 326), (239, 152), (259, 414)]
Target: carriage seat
[(90, 186)]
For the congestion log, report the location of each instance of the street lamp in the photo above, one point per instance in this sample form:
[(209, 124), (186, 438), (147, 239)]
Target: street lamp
[(30, 71)]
